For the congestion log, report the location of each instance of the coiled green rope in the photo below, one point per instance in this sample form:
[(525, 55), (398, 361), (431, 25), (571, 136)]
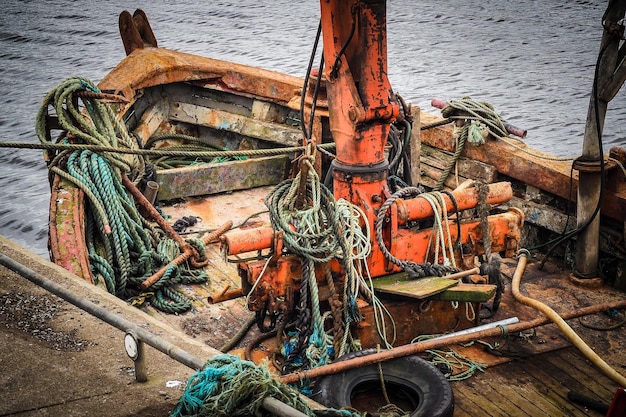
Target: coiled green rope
[(229, 386), (123, 248)]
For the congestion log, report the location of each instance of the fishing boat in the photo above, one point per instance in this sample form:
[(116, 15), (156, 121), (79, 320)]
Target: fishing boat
[(329, 229)]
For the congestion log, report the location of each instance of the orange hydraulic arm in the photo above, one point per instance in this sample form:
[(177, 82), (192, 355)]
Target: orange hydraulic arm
[(360, 98)]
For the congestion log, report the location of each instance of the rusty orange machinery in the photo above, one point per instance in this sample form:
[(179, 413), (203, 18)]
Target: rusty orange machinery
[(281, 277), (361, 108)]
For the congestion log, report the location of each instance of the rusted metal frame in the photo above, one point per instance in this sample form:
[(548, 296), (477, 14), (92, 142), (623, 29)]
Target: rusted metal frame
[(271, 287), (188, 252), (242, 241), (412, 349), (504, 229)]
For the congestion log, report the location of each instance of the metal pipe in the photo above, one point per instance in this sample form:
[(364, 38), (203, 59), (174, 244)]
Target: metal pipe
[(463, 274), (151, 190), (505, 322), (412, 349), (162, 345), (418, 208), (225, 295)]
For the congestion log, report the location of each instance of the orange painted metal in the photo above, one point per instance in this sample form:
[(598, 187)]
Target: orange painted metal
[(239, 241), (360, 98), (225, 295), (242, 241), (272, 287), (504, 235), (418, 208)]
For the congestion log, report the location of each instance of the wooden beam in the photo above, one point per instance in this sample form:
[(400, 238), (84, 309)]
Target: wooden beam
[(221, 177), (545, 174), (246, 126)]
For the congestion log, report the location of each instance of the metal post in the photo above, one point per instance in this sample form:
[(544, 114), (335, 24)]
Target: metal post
[(609, 77)]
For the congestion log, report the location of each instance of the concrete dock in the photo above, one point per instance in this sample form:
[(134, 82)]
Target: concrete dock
[(59, 360)]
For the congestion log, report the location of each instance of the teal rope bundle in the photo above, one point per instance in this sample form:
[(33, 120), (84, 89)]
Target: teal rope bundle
[(122, 247), (321, 234), (229, 386)]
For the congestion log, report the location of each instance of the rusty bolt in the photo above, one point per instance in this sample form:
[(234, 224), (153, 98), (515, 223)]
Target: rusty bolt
[(352, 114)]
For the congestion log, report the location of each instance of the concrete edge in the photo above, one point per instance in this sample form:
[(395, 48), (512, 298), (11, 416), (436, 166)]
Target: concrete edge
[(105, 300)]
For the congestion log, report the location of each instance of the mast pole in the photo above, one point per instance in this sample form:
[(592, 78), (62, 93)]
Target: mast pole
[(609, 77)]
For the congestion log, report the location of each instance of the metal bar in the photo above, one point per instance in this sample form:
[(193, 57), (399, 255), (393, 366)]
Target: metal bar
[(413, 349), (162, 345), (493, 325)]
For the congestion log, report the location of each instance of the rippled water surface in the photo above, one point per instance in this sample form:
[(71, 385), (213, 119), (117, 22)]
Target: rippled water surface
[(532, 60)]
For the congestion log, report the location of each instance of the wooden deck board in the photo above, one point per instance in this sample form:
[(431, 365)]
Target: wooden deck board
[(474, 405), (586, 376), (534, 386), (549, 384)]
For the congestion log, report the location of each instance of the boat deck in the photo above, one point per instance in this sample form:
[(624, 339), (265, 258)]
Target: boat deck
[(535, 386), (530, 374), (541, 367)]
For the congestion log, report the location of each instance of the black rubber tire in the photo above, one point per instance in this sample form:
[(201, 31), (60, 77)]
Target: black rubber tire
[(431, 391)]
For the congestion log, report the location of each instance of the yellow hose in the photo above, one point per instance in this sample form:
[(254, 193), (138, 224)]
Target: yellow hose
[(569, 332)]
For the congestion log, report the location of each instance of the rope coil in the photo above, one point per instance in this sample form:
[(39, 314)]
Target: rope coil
[(123, 249)]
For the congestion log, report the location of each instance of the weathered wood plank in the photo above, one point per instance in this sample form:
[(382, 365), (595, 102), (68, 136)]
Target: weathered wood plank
[(542, 215), (550, 385), (516, 391), (246, 126), (221, 177), (483, 404), (544, 173), (473, 293), (578, 369), (415, 149), (417, 288), (465, 167), (150, 121)]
